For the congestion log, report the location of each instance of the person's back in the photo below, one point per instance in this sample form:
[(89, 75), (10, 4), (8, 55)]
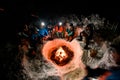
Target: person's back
[(43, 32)]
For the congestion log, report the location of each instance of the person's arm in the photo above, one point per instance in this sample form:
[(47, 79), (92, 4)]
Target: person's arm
[(46, 32), (69, 34)]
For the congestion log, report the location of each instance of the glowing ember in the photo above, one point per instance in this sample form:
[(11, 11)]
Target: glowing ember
[(61, 56)]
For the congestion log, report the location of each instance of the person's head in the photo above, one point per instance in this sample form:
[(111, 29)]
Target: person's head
[(25, 28), (80, 25), (67, 24), (71, 24), (91, 26)]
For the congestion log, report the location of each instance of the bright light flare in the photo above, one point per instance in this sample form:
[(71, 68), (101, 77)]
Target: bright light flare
[(61, 54), (60, 23), (42, 24)]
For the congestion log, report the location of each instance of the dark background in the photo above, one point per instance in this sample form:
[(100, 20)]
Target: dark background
[(15, 14)]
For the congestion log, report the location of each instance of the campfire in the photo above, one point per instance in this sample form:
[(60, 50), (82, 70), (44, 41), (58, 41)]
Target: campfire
[(61, 56), (66, 58)]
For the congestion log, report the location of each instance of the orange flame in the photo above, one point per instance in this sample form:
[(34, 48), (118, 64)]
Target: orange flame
[(61, 54)]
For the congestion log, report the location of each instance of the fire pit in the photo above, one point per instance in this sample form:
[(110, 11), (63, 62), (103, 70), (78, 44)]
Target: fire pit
[(66, 58), (62, 55)]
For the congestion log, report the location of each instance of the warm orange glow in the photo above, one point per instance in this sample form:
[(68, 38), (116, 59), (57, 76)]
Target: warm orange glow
[(60, 54), (66, 57)]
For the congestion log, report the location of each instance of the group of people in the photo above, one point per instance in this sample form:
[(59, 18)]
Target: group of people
[(39, 34), (65, 31), (32, 36)]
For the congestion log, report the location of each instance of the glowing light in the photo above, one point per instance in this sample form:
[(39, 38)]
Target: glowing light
[(42, 24), (60, 54), (66, 58), (60, 23)]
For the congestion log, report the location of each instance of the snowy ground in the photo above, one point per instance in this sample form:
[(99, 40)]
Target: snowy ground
[(39, 69)]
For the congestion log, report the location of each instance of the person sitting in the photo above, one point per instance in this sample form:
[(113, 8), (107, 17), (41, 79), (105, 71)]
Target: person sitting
[(43, 33), (115, 53), (70, 32), (35, 38), (113, 70), (89, 35)]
